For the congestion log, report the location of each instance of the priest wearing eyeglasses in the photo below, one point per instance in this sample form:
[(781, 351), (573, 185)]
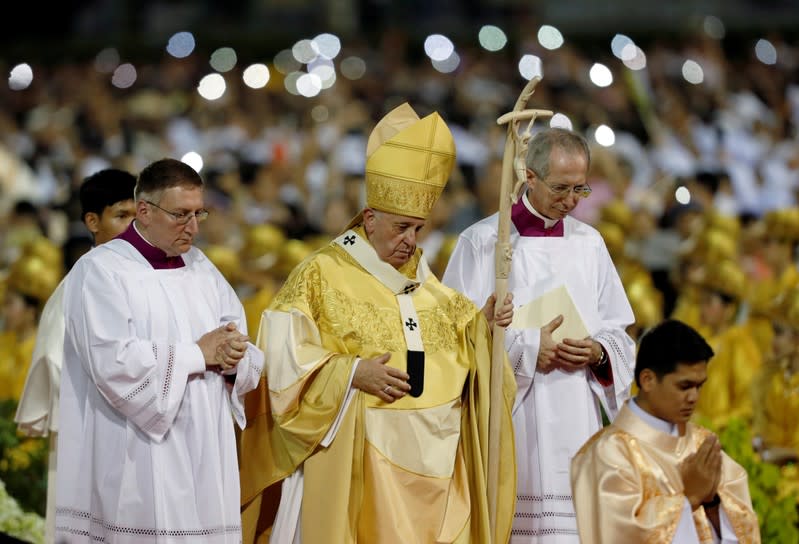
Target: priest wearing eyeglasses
[(156, 363), (567, 343)]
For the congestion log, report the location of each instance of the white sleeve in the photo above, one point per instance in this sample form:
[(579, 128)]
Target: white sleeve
[(616, 315), (333, 430), (522, 346), (686, 530), (37, 411), (287, 525), (248, 374), (728, 535), (250, 368), (470, 270), (143, 380)]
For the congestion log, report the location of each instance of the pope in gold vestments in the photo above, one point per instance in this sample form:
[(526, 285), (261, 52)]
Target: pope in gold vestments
[(413, 471), (627, 486)]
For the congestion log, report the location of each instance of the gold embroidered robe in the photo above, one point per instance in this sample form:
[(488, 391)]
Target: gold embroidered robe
[(764, 292), (15, 359), (413, 471), (686, 307), (778, 408), (627, 486), (727, 393)]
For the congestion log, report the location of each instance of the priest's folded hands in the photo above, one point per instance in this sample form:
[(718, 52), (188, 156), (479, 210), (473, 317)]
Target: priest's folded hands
[(223, 347), (701, 472)]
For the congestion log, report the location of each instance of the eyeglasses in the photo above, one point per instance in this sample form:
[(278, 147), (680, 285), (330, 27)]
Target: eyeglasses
[(582, 191), (182, 218)]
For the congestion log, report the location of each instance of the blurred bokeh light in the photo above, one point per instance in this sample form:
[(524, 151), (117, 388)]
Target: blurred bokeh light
[(256, 76), (530, 66), (692, 72), (20, 77), (600, 75), (438, 47), (181, 45), (550, 37), (124, 76), (353, 68), (492, 38), (223, 59), (107, 60), (212, 87)]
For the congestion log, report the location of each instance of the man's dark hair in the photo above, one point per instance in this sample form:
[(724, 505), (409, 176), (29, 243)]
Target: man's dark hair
[(25, 208), (105, 188), (710, 180), (668, 344), (164, 174)]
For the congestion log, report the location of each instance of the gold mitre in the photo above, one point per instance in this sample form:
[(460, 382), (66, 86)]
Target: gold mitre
[(408, 163)]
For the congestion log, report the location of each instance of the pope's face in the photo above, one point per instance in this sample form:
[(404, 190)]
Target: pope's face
[(673, 397), (160, 226), (393, 236)]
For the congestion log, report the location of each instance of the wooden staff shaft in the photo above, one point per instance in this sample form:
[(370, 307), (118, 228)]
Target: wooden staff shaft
[(502, 261)]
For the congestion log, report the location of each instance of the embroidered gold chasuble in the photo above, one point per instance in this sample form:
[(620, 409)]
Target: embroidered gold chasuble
[(627, 486), (413, 471)]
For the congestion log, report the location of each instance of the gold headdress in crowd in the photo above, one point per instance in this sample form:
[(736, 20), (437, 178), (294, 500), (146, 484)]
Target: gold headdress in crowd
[(617, 212), (729, 224), (613, 235), (34, 277), (646, 301), (291, 254), (724, 276), (261, 245), (712, 245), (226, 260), (408, 163), (46, 250), (783, 224)]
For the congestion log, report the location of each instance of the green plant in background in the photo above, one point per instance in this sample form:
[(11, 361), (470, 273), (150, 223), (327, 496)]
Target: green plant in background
[(774, 489), (15, 522), (23, 463)]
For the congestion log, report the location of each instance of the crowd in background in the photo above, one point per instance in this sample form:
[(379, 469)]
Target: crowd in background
[(284, 175)]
